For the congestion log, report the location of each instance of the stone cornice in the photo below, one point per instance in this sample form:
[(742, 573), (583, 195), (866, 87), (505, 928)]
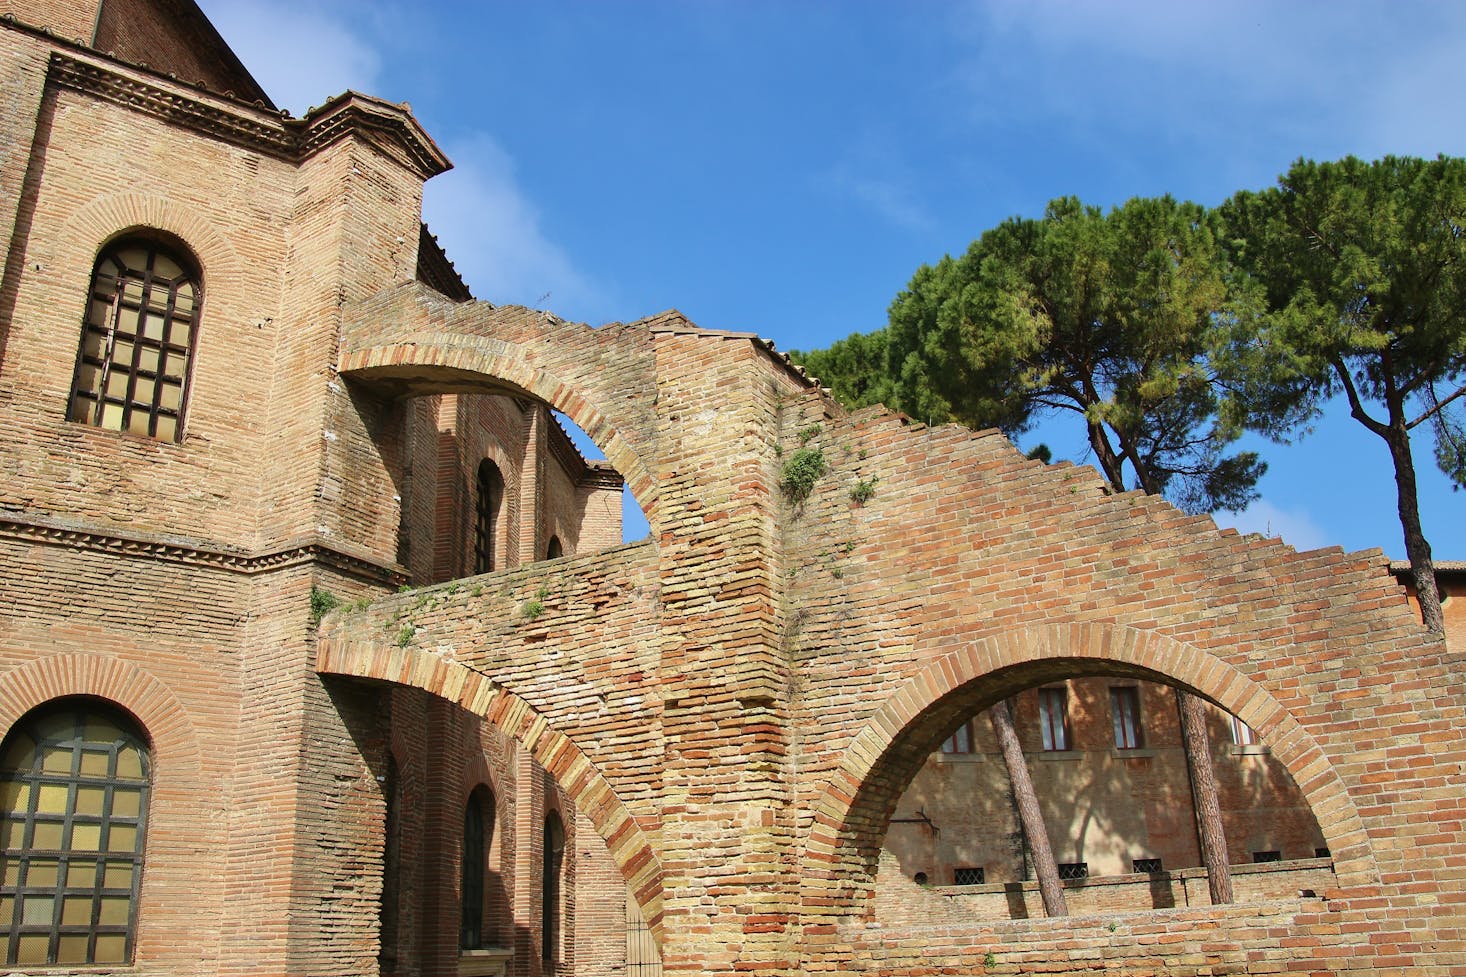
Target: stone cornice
[(292, 140), (54, 531)]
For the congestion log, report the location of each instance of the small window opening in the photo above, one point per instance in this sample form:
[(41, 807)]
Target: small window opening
[(1145, 865), (1073, 870), (137, 341), (973, 875)]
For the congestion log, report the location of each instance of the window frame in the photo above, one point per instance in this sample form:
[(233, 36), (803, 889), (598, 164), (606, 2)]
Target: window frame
[(1053, 738), (60, 860), (1125, 717), (89, 401)]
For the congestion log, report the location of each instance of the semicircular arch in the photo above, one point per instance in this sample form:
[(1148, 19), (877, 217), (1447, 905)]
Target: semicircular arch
[(443, 362), (557, 753), (169, 729), (850, 815)]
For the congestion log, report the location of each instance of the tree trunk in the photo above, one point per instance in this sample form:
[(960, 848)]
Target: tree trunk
[(1204, 795), (1417, 550), (1044, 866)]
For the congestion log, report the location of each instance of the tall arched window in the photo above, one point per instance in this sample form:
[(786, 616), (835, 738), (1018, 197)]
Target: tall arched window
[(478, 837), (554, 864), (490, 496), (132, 370), (74, 779)]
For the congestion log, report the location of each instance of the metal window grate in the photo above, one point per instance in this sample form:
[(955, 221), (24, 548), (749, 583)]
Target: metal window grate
[(75, 783), (969, 876), (133, 367), (1146, 865), (1258, 857), (1073, 870), (643, 959)]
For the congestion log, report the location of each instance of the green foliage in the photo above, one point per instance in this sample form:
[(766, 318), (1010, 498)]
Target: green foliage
[(854, 368), (804, 467), (1363, 266), (532, 609), (1040, 452), (808, 434), (323, 602), (404, 635), (864, 490), (989, 960), (1106, 318)]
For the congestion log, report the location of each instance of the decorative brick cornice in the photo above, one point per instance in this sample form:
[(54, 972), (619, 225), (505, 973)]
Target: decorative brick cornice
[(53, 531), (292, 140)]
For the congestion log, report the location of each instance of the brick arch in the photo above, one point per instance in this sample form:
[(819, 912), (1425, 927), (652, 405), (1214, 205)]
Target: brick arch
[(850, 815), (446, 362), (106, 217), (552, 749), (169, 730)]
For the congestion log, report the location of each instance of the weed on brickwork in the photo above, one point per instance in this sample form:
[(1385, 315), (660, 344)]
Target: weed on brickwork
[(801, 471), (323, 602)]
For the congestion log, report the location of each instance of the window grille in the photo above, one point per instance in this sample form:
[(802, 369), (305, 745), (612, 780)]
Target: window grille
[(1053, 719), (969, 876), (478, 832), (74, 782), (1145, 865), (1258, 857), (137, 342), (1125, 711), (554, 863), (1073, 870), (960, 741)]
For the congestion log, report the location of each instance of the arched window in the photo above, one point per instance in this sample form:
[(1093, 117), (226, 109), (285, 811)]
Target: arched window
[(490, 495), (554, 550), (478, 837), (554, 854), (74, 779), (137, 342)]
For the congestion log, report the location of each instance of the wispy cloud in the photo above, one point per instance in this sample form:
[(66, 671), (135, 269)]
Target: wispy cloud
[(493, 233), (318, 52), (1227, 79), (1295, 527)]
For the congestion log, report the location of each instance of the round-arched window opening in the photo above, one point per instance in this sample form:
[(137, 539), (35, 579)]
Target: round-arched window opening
[(74, 784), (137, 342)]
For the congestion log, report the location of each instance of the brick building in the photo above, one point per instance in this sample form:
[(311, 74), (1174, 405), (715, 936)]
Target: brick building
[(1107, 762), (246, 399)]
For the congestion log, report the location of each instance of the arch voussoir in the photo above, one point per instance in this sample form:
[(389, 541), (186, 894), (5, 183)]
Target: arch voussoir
[(846, 810), (572, 769)]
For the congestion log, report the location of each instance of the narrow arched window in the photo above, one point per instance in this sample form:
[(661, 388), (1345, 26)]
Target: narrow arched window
[(554, 550), (132, 370), (478, 836), (74, 780), (490, 497), (554, 863)]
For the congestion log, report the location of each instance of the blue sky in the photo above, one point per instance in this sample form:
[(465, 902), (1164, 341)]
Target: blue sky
[(784, 167)]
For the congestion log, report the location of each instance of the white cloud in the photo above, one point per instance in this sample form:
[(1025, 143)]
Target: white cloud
[(491, 230), (300, 53), (1229, 79), (1296, 528)]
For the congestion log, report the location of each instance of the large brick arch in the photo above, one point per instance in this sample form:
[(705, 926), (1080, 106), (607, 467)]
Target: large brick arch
[(444, 362), (850, 815), (169, 730), (556, 752)]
